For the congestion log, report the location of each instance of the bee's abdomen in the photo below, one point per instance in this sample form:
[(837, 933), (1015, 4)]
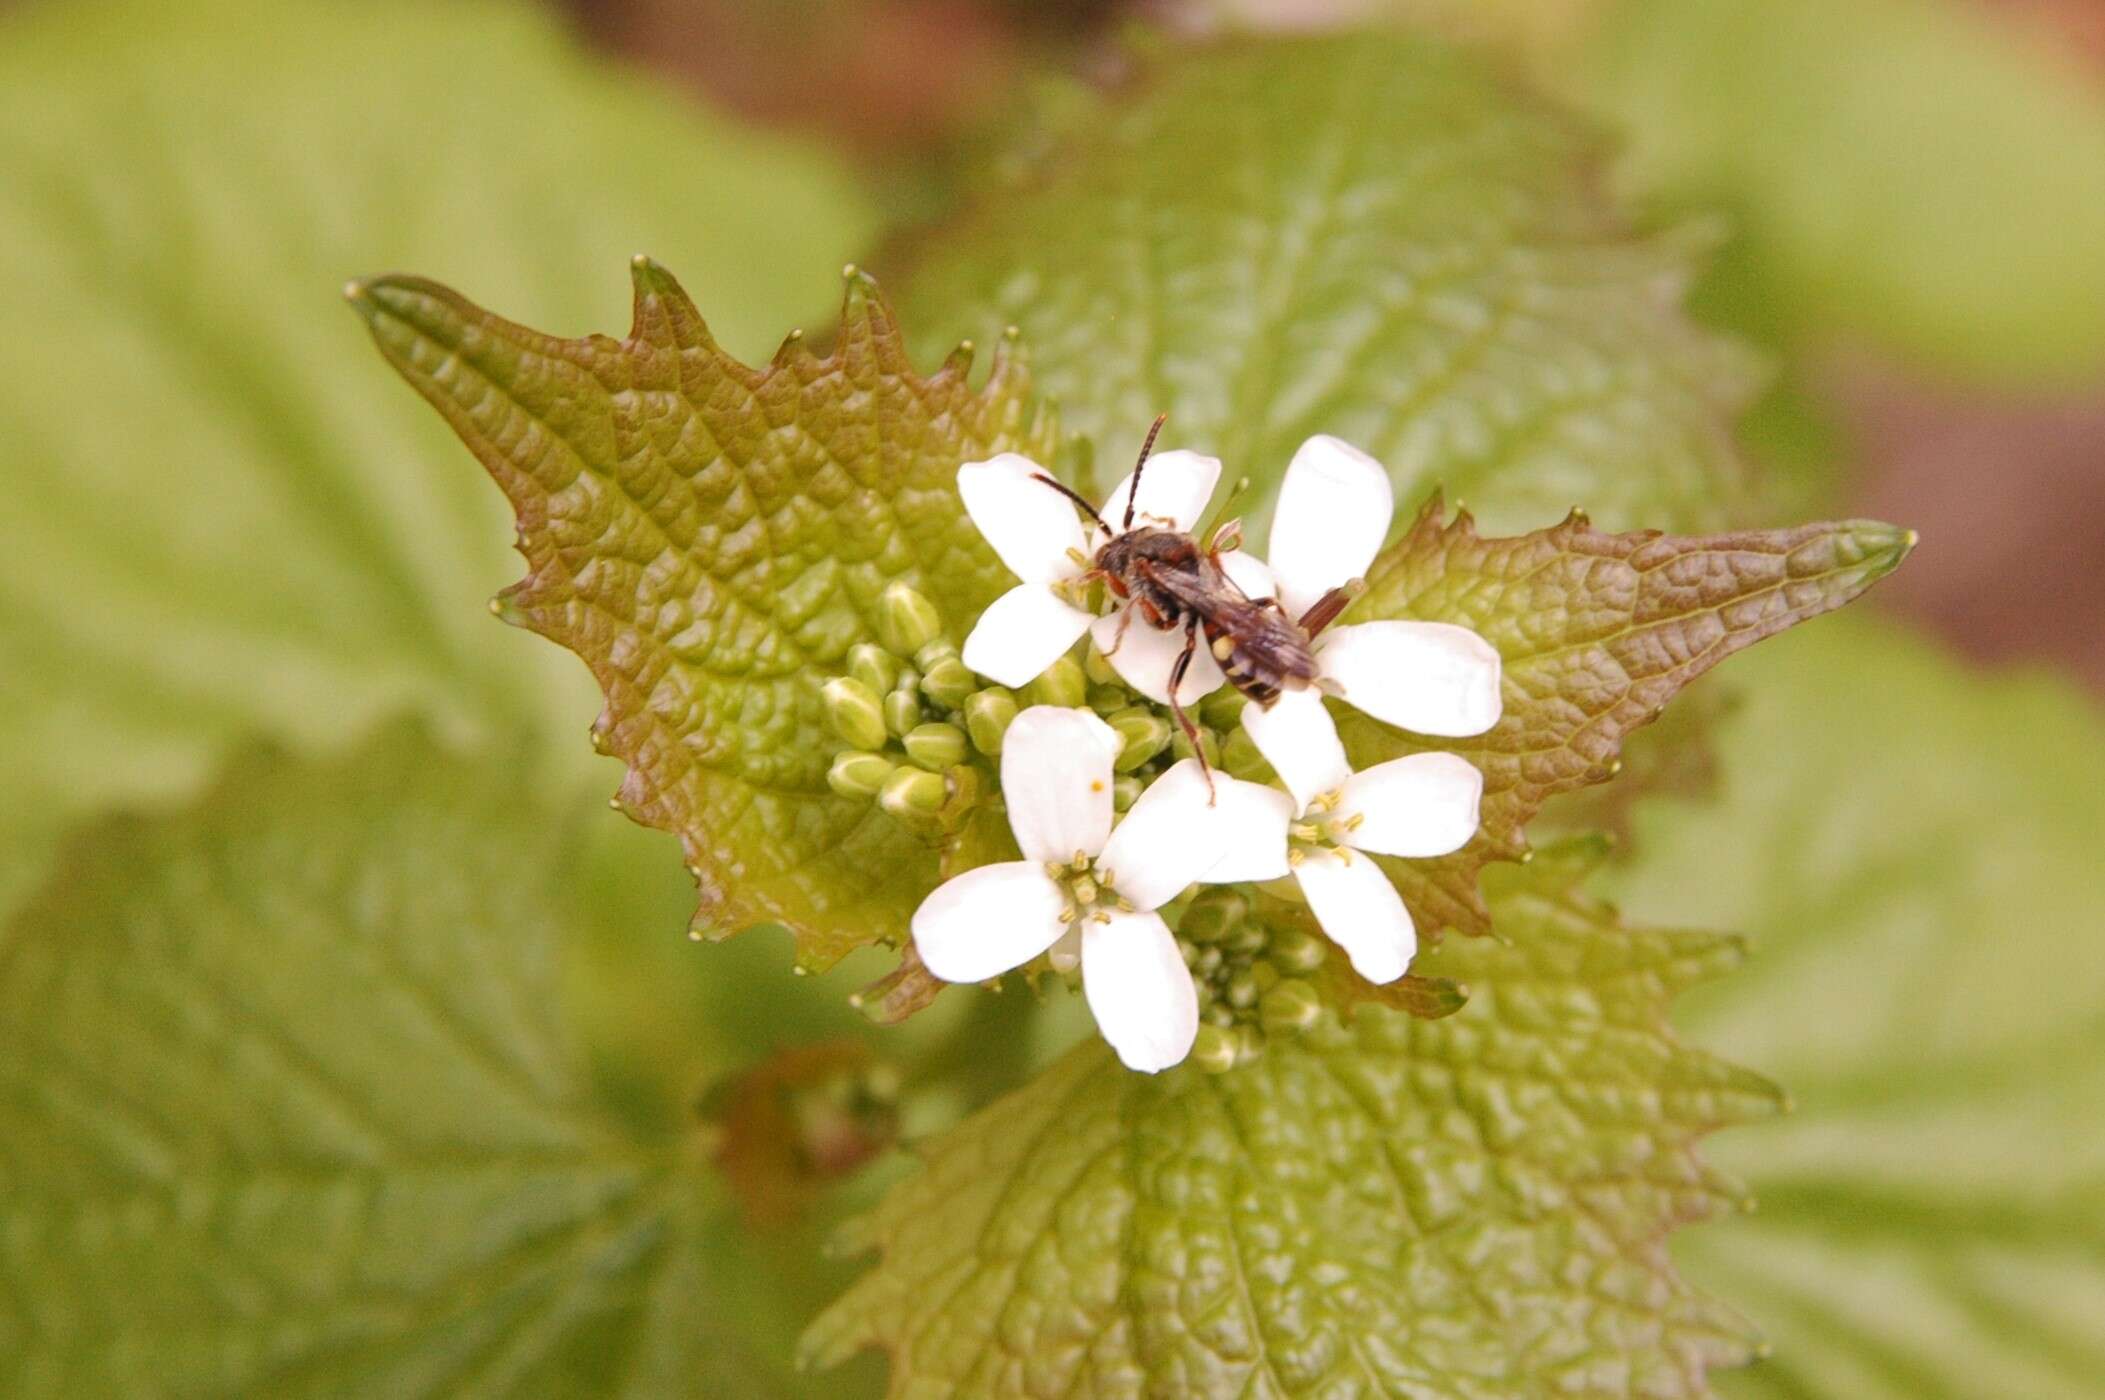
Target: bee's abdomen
[(1258, 666)]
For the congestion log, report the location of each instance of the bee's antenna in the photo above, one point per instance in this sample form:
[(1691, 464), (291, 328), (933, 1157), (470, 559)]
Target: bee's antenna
[(1145, 448), (1071, 494)]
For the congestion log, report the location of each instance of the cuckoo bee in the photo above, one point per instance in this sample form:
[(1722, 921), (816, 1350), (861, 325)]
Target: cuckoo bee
[(1173, 582)]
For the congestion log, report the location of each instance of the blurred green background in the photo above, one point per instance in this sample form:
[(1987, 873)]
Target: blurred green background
[(230, 532)]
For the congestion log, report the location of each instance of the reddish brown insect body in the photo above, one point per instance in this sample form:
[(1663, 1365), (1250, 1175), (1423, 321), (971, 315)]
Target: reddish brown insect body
[(1174, 583)]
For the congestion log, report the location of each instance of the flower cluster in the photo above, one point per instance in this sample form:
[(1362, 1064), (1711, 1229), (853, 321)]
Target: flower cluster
[(1289, 812)]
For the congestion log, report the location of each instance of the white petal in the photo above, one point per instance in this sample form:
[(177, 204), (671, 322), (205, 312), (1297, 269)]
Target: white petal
[(1427, 677), (1171, 837), (1333, 514), (1029, 524), (1056, 776), (1253, 820), (1248, 572), (1021, 633), (988, 920), (1361, 912), (1174, 489), (1423, 805), (1298, 738), (1139, 990), (1146, 655)]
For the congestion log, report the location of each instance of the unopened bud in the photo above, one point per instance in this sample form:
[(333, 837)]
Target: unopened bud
[(1242, 990), (859, 775), (1241, 758), (853, 710), (948, 683), (1180, 743), (873, 666), (1098, 667), (935, 746), (1223, 709), (936, 652), (912, 795), (988, 714), (1213, 915), (1292, 951), (1125, 791), (906, 619), (1213, 1050), (1109, 699), (902, 711), (1249, 1042), (1290, 1006), (1142, 734), (1062, 684)]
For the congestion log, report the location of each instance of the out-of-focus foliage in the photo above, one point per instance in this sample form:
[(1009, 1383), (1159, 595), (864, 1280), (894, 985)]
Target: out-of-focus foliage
[(223, 516), (1918, 876), (1913, 173), (290, 1110), (1921, 175), (1469, 1207), (1383, 240)]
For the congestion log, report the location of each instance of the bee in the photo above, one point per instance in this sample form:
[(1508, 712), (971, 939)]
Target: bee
[(1172, 582)]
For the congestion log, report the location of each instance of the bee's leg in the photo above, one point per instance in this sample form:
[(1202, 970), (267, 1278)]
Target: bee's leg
[(1326, 608), (1176, 706), (1118, 638)]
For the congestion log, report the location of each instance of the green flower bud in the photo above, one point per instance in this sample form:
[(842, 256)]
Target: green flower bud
[(1125, 791), (1249, 1043), (906, 619), (1143, 733), (1213, 1050), (902, 711), (1098, 667), (935, 746), (1293, 951), (873, 666), (1217, 1014), (936, 652), (858, 774), (1180, 744), (1062, 684), (1109, 699), (987, 716), (1223, 709), (1290, 1006), (948, 683), (1241, 759), (853, 710), (1213, 915), (1241, 992), (912, 796)]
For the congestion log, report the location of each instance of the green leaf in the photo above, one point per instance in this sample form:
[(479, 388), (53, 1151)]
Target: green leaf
[(1470, 1207), (1369, 235), (1914, 852), (224, 518), (290, 1112), (1916, 172), (1597, 632), (712, 539)]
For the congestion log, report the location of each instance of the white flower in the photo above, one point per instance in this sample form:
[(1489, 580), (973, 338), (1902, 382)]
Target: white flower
[(1035, 530), (1078, 873), (1428, 677), (1422, 805)]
